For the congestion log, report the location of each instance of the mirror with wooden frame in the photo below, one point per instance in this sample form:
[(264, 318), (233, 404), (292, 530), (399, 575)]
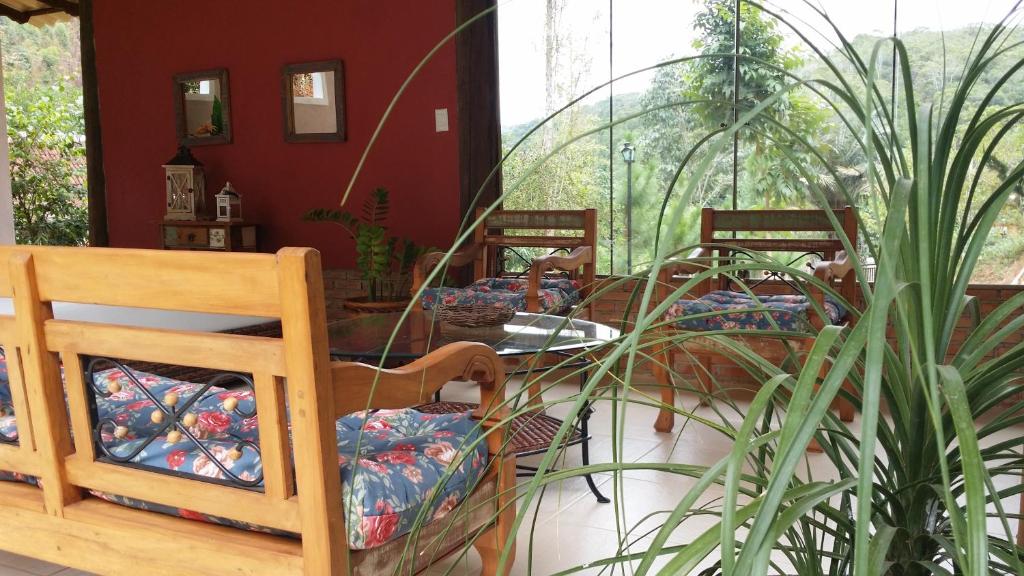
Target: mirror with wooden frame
[(202, 107), (313, 95)]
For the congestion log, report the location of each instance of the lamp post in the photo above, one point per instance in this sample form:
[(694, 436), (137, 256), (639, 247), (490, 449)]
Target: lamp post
[(628, 156)]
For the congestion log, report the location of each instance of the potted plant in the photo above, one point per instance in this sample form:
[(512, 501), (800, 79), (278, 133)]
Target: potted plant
[(385, 262)]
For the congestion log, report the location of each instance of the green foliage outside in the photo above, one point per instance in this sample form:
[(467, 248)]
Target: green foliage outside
[(45, 128), (688, 101)]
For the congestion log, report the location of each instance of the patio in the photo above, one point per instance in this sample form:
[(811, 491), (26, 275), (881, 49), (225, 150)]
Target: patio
[(752, 271)]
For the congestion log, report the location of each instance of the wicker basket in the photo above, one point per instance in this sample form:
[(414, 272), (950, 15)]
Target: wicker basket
[(474, 315)]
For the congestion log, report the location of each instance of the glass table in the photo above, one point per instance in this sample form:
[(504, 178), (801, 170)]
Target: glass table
[(532, 337)]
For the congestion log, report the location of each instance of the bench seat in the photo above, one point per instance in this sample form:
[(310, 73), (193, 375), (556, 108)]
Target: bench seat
[(788, 311), (557, 295), (393, 462)]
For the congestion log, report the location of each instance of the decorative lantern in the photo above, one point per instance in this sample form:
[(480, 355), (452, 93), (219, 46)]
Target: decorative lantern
[(229, 205), (186, 186)]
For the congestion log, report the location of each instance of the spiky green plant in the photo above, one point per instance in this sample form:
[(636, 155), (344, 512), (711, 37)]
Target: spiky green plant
[(912, 486)]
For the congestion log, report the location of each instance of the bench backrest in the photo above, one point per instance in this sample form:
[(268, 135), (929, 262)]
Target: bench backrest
[(533, 229), (721, 230), (303, 498)]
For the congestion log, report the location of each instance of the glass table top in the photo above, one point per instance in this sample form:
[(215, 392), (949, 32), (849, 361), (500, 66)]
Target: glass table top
[(367, 335)]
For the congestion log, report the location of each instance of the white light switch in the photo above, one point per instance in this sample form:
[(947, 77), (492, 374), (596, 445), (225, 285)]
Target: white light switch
[(441, 120)]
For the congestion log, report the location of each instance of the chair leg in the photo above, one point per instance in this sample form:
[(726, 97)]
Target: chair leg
[(663, 376), (846, 408), (490, 544), (703, 372)]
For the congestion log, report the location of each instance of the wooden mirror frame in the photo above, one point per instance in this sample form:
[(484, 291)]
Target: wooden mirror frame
[(221, 75), (287, 100)]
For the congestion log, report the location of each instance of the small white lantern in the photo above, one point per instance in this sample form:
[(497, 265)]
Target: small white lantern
[(229, 205), (186, 186)]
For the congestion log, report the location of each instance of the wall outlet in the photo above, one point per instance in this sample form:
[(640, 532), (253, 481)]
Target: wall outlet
[(441, 120)]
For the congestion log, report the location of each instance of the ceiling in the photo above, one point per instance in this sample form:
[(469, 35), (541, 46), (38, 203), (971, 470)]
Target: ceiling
[(39, 12)]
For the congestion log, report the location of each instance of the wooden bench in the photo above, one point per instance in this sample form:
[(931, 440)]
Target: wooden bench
[(728, 235), (301, 494), (510, 229)]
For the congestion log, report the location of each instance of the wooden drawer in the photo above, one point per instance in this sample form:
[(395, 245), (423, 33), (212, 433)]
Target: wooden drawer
[(210, 235), (193, 236)]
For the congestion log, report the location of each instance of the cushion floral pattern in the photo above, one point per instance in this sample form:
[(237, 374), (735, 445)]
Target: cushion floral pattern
[(789, 312), (392, 462), (557, 295)]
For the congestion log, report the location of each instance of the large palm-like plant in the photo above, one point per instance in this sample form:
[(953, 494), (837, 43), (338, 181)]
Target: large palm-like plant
[(915, 492), (912, 485)]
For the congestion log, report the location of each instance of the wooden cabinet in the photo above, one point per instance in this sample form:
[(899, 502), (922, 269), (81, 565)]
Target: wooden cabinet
[(210, 235)]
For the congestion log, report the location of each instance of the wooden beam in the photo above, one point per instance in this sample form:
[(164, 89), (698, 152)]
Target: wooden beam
[(95, 179), (71, 8), (476, 70), (16, 15)]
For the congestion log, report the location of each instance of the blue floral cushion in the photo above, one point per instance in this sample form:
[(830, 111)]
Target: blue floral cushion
[(557, 295), (398, 468), (789, 312)]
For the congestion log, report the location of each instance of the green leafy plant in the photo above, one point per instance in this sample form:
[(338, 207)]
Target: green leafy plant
[(385, 262), (913, 485), (217, 116), (47, 166)]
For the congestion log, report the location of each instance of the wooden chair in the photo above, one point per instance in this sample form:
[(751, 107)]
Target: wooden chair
[(300, 495), (509, 229), (724, 234)]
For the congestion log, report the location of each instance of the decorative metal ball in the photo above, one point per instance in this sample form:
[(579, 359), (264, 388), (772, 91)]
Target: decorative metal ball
[(235, 454), (230, 404), (113, 386), (171, 399), (121, 432), (190, 420), (173, 437), (157, 417)]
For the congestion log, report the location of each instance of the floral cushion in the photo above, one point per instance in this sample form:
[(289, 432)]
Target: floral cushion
[(557, 295), (789, 312), (402, 456)]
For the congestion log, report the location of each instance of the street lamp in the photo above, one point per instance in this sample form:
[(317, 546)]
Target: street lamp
[(629, 156)]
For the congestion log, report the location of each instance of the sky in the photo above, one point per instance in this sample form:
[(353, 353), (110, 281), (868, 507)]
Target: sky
[(646, 32)]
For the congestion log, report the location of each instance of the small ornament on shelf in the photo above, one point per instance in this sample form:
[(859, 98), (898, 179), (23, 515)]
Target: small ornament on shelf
[(229, 205)]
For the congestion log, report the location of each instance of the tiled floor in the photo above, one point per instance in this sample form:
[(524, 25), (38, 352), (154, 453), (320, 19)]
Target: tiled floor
[(571, 528)]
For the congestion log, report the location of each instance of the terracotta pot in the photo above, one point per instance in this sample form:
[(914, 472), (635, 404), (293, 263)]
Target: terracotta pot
[(362, 305)]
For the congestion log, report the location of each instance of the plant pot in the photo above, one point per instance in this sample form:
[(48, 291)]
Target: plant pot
[(363, 305)]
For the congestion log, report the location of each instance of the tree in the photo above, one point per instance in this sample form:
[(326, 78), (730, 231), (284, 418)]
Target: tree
[(763, 64), (47, 167), (45, 128)]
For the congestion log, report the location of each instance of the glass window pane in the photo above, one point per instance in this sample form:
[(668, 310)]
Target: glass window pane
[(941, 36)]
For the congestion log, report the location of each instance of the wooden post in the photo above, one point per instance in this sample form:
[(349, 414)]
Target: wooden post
[(95, 179), (45, 388), (476, 72), (311, 400)]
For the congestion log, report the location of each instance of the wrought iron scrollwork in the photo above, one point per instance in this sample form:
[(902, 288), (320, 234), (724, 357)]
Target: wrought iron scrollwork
[(527, 261), (172, 420), (773, 275), (4, 438)]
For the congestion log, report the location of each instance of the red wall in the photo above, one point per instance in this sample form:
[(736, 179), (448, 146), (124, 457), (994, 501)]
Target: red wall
[(141, 45)]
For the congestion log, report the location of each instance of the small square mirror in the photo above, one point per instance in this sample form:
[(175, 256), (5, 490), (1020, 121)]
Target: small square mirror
[(313, 95), (202, 107)]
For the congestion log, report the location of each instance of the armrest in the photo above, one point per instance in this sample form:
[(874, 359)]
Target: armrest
[(360, 386), (690, 265), (427, 262), (828, 270), (578, 257)]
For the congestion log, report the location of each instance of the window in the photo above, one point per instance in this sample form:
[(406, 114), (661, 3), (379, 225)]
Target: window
[(310, 88), (555, 51)]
